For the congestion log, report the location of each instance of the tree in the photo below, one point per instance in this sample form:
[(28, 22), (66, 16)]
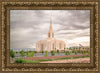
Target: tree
[(70, 48), (58, 51), (35, 52), (30, 54), (12, 54), (52, 53), (64, 49), (46, 53), (88, 52), (83, 52), (42, 51), (72, 51), (75, 52), (16, 52), (27, 53), (67, 53), (22, 53), (74, 48)]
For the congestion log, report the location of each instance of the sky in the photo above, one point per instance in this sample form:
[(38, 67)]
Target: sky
[(29, 26)]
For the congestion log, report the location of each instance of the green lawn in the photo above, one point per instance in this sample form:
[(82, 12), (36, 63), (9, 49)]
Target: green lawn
[(20, 60)]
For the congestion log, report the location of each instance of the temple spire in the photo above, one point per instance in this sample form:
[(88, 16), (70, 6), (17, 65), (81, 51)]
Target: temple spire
[(51, 20), (51, 32), (51, 24)]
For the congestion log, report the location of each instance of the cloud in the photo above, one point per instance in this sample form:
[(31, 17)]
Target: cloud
[(29, 26)]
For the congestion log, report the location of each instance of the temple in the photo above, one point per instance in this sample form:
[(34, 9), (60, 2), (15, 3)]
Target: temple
[(50, 43)]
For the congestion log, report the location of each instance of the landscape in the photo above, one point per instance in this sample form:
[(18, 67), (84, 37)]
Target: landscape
[(50, 36)]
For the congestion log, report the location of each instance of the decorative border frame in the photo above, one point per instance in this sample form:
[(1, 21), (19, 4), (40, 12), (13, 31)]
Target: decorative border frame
[(7, 6)]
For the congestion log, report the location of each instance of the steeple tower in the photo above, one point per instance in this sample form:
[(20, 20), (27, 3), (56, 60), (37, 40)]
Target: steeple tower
[(51, 32)]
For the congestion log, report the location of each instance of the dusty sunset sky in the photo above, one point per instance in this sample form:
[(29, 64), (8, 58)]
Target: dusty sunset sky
[(29, 26)]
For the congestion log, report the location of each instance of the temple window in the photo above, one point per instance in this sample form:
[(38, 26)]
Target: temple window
[(41, 46), (53, 46), (52, 35), (49, 34), (59, 45)]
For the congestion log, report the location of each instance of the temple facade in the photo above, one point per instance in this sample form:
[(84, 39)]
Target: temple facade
[(50, 43)]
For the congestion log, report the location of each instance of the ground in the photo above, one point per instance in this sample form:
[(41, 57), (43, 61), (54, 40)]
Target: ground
[(79, 60), (57, 58)]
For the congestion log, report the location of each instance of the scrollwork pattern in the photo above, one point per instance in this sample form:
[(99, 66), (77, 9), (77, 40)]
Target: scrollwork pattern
[(47, 4)]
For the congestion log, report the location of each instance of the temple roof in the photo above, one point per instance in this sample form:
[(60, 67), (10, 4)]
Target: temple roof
[(50, 29)]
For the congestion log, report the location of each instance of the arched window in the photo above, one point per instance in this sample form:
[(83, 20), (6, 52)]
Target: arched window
[(59, 45), (41, 46), (53, 46), (49, 34)]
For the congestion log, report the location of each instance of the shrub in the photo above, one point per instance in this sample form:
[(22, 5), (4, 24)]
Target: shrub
[(83, 52), (30, 54), (22, 53), (69, 48), (75, 52), (52, 53), (88, 52), (35, 51), (67, 53), (46, 53), (20, 60), (27, 53), (74, 48), (30, 51), (78, 51), (64, 49), (12, 54), (58, 51), (42, 51), (79, 48), (16, 52)]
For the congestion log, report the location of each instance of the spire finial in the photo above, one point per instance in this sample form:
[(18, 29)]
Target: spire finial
[(51, 19), (51, 32), (51, 22)]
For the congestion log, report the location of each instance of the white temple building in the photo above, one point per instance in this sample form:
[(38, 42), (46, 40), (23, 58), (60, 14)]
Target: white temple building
[(50, 43)]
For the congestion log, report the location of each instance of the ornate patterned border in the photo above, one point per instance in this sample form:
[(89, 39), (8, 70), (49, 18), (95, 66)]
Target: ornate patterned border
[(6, 6)]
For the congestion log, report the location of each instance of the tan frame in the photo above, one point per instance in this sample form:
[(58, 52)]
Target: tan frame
[(92, 6)]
